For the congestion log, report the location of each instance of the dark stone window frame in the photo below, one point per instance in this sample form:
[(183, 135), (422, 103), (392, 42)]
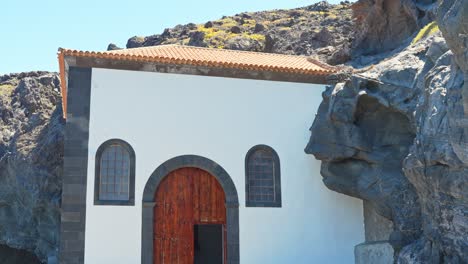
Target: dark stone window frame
[(276, 177), (97, 173)]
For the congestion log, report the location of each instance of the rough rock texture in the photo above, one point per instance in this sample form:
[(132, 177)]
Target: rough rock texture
[(322, 30), (362, 133), (31, 153), (453, 18), (382, 25), (376, 227), (395, 135)]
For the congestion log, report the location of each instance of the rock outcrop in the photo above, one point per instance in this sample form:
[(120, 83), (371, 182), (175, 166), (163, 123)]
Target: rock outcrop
[(394, 135), (321, 30), (362, 133), (453, 18), (31, 158), (383, 25)]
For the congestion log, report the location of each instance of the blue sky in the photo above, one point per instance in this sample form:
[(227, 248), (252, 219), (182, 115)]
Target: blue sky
[(32, 30)]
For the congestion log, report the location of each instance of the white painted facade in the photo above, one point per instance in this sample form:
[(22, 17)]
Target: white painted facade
[(167, 115)]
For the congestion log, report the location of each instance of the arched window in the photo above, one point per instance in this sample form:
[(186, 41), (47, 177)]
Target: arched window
[(115, 174), (262, 177)]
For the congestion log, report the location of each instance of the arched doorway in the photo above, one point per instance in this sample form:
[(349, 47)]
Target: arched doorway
[(231, 238), (189, 218)]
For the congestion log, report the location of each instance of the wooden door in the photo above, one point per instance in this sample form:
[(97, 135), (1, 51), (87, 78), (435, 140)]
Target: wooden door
[(186, 197)]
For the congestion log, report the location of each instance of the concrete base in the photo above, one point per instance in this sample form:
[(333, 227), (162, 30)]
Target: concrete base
[(374, 253)]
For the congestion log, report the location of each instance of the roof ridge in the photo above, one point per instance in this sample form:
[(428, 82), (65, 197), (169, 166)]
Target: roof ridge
[(239, 51), (207, 48)]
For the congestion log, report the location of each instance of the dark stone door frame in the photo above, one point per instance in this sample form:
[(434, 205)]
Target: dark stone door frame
[(232, 203)]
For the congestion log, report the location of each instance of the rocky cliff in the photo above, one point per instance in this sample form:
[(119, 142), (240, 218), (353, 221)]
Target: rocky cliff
[(394, 133), (390, 129), (31, 153)]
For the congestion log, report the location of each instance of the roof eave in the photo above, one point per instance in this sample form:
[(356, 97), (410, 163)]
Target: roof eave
[(63, 81)]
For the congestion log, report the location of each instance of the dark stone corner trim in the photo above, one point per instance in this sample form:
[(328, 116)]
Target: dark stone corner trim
[(277, 178), (232, 203), (75, 167), (97, 174)]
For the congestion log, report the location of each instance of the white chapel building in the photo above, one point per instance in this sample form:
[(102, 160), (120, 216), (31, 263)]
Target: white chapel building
[(181, 155)]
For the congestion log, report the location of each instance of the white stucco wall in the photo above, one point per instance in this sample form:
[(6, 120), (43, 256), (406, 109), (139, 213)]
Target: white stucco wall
[(166, 115)]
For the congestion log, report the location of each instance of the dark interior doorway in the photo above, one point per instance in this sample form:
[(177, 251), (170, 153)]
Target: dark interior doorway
[(16, 256), (208, 244)]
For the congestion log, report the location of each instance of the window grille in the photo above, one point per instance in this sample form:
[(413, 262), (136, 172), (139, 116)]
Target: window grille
[(115, 174), (263, 186)]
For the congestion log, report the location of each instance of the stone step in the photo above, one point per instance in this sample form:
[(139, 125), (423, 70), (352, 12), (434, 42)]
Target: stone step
[(374, 253)]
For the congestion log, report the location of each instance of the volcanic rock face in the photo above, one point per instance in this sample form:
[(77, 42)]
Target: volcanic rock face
[(362, 133), (31, 153), (382, 25), (437, 166), (394, 134), (453, 20)]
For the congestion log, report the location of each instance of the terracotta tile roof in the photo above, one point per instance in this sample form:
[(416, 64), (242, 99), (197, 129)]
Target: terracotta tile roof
[(210, 57)]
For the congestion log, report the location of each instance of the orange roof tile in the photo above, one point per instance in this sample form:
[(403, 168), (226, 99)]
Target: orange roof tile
[(208, 57)]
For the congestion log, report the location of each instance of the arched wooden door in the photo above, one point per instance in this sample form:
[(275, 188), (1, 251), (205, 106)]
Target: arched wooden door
[(186, 198)]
